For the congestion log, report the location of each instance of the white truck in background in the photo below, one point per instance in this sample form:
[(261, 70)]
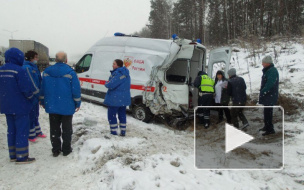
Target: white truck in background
[(26, 45)]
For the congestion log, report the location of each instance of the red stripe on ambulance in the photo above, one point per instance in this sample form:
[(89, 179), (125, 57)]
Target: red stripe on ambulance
[(133, 86)]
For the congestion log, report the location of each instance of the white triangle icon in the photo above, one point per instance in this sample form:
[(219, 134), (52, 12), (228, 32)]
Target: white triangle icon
[(235, 138)]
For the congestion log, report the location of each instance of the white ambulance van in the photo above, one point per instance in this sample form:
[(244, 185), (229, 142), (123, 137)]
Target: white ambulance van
[(162, 73)]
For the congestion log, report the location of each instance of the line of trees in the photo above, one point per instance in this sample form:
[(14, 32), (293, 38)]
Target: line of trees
[(220, 21)]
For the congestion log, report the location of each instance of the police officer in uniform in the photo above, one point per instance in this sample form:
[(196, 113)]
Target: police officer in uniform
[(206, 89)]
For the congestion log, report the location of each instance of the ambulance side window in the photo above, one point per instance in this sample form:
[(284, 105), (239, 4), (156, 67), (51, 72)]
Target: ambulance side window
[(216, 67), (84, 64)]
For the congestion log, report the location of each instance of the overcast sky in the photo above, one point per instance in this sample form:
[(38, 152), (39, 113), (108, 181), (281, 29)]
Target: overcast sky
[(70, 25)]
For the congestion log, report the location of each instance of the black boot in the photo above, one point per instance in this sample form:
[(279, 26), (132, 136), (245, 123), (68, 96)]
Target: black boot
[(65, 153), (56, 153), (269, 133)]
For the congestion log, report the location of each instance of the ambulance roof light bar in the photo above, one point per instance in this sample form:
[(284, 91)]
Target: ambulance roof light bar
[(122, 34), (119, 34)]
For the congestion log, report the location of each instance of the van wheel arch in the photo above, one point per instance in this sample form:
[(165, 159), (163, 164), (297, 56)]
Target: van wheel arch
[(140, 111)]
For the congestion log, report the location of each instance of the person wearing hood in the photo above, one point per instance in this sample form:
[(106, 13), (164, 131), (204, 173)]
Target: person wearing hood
[(118, 97), (221, 96), (206, 89), (17, 94), (30, 65), (61, 97), (237, 90), (269, 93)]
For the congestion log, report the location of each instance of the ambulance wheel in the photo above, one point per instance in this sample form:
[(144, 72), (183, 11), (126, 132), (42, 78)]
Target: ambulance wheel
[(142, 113)]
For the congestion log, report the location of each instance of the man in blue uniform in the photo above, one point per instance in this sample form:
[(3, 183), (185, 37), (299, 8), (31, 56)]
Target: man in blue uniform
[(60, 96), (17, 95), (31, 58), (118, 97)]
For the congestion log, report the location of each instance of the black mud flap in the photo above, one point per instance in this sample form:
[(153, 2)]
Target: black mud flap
[(178, 120), (178, 123)]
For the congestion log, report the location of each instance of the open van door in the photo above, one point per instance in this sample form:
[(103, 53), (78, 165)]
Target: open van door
[(219, 59), (175, 88)]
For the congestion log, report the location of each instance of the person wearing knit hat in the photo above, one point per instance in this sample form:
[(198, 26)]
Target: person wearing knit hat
[(237, 90), (232, 72), (267, 59), (269, 93)]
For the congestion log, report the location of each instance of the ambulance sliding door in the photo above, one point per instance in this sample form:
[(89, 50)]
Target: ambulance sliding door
[(176, 88), (100, 73)]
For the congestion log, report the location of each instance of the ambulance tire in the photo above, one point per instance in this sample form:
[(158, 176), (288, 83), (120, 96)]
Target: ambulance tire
[(142, 113)]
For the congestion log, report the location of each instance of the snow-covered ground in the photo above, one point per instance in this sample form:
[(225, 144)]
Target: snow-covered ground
[(153, 156), (288, 58), (261, 152)]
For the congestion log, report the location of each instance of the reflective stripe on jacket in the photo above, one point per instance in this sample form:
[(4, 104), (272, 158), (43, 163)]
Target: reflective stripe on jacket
[(207, 84)]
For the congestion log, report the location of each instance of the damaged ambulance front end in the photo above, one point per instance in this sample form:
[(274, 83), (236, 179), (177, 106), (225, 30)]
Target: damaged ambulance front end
[(175, 97)]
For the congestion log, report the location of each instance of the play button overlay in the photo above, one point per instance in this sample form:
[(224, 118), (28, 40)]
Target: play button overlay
[(235, 138), (222, 146)]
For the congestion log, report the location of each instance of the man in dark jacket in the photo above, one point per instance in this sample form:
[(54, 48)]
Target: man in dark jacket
[(237, 90), (60, 96), (206, 89), (269, 93), (118, 97), (17, 95)]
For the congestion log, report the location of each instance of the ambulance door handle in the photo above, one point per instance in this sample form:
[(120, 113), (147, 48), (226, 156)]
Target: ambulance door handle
[(87, 75)]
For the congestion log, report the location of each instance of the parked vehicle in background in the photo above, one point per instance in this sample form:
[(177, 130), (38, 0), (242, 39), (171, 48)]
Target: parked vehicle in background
[(52, 61), (42, 50)]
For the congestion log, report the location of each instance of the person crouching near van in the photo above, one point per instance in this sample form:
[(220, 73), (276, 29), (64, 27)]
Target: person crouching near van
[(118, 97), (206, 89), (221, 96), (61, 97), (31, 58), (17, 94)]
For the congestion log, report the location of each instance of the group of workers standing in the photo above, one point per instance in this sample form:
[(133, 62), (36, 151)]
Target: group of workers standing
[(58, 91), (220, 91), (23, 88)]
